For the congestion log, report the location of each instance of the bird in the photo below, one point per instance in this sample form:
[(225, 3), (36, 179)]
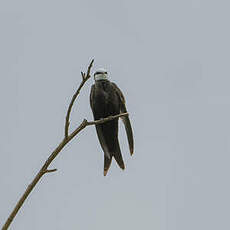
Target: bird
[(106, 99)]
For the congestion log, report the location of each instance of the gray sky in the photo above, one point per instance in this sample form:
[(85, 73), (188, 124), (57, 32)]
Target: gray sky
[(170, 59)]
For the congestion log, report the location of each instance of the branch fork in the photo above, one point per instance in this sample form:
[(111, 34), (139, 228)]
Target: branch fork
[(85, 77)]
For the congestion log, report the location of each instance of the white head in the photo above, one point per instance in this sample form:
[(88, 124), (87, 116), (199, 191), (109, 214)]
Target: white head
[(100, 74)]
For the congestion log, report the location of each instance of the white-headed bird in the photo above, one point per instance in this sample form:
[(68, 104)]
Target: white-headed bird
[(106, 99)]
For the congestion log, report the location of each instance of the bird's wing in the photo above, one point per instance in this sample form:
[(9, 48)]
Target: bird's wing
[(92, 96), (98, 127), (125, 119)]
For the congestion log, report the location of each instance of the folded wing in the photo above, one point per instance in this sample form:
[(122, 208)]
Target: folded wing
[(125, 119)]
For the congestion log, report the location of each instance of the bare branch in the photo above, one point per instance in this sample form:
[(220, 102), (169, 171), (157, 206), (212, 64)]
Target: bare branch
[(86, 123), (97, 122), (83, 76), (84, 79), (44, 169), (54, 154), (50, 170)]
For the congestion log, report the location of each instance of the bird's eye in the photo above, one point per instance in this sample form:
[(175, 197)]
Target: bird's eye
[(100, 73)]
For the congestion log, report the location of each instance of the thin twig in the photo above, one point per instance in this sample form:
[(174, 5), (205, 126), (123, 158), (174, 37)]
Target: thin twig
[(106, 119), (85, 77), (50, 170), (86, 123)]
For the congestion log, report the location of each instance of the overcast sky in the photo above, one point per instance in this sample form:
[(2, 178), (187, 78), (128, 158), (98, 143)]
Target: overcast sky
[(170, 59)]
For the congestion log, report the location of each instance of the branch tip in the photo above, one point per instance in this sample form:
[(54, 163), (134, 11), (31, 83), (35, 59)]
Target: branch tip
[(50, 170), (83, 75), (91, 63), (89, 68)]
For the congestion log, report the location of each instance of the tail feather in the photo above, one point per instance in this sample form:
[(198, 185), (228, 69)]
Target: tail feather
[(111, 145), (117, 155), (119, 160), (107, 163), (129, 132)]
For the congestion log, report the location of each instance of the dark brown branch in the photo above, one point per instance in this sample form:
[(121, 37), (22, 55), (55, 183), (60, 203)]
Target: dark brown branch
[(50, 170), (85, 77), (106, 119), (86, 123)]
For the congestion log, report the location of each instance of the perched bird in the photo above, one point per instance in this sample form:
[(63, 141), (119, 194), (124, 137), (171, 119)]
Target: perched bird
[(106, 99)]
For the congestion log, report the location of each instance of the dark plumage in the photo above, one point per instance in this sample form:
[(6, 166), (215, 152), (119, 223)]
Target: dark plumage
[(106, 99)]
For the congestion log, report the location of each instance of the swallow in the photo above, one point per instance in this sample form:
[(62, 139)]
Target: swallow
[(106, 99)]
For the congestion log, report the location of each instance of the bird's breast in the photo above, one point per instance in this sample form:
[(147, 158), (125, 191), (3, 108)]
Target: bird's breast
[(106, 102)]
